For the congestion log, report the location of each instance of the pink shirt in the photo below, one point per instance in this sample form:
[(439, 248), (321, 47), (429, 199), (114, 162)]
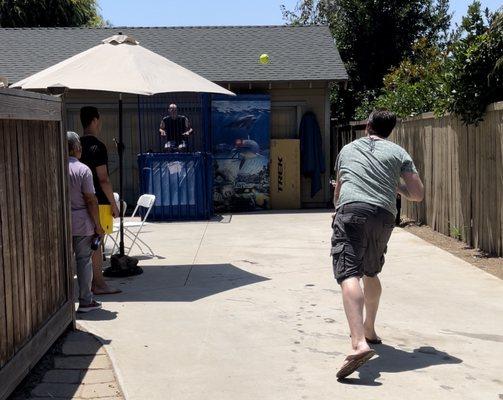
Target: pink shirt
[(80, 181)]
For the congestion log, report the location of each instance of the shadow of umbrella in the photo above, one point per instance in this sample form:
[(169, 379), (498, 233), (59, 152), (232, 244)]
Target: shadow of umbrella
[(392, 360), (183, 283)]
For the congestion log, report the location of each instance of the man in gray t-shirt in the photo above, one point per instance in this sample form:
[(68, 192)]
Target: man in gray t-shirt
[(369, 172)]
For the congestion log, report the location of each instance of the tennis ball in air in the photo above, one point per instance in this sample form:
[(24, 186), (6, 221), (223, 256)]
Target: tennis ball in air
[(264, 58)]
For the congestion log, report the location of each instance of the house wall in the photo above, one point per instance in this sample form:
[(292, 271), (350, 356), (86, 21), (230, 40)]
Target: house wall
[(315, 99), (289, 101)]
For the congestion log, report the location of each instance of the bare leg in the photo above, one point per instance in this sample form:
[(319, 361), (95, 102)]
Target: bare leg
[(372, 294), (352, 296), (99, 284)]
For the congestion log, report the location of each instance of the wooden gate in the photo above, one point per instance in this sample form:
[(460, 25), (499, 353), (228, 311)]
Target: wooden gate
[(36, 301)]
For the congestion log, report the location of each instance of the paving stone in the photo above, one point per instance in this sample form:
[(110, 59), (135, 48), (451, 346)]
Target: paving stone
[(82, 347), (99, 390), (98, 376), (52, 390), (62, 376), (99, 361)]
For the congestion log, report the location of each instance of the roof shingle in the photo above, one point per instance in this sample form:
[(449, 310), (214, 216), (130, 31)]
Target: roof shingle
[(220, 54)]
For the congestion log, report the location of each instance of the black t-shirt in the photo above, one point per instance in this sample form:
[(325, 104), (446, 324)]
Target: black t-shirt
[(94, 154), (174, 127)]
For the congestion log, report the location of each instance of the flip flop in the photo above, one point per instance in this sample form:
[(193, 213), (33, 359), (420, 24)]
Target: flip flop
[(372, 341), (354, 362)]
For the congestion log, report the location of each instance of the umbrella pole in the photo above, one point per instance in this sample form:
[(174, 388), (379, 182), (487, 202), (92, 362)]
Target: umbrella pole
[(120, 264), (121, 188)]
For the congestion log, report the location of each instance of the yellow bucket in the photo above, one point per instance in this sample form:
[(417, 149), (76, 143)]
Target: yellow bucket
[(106, 218)]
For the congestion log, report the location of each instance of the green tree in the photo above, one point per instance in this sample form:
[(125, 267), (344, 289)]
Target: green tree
[(475, 67), (49, 13), (373, 36), (473, 23), (417, 85), (462, 78)]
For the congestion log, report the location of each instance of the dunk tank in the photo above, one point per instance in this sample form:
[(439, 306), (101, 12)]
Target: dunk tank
[(221, 165)]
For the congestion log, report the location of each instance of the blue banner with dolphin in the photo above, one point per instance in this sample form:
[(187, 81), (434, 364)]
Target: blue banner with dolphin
[(240, 145)]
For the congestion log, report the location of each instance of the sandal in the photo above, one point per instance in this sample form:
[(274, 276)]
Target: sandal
[(353, 362)]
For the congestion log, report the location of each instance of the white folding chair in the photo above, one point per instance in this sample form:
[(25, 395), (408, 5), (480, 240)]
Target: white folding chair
[(114, 232), (132, 229)]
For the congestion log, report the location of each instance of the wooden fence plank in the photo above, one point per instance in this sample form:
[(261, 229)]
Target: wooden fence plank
[(12, 196), (42, 224), (53, 195), (17, 222), (6, 238), (24, 180), (3, 238), (35, 210), (38, 221)]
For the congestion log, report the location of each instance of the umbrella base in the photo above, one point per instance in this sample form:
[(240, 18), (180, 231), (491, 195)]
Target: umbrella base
[(121, 266)]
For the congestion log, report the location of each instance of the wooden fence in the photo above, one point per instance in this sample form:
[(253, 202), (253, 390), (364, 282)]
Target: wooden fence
[(462, 169), (36, 298), (341, 135)]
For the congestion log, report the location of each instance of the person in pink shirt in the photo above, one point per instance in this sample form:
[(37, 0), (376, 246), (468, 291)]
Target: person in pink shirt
[(86, 225)]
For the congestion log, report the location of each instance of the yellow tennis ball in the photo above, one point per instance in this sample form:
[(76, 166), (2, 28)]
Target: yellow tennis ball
[(264, 58)]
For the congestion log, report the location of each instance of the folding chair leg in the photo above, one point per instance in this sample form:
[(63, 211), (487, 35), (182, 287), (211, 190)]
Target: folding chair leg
[(147, 246), (114, 239), (133, 243), (136, 241), (114, 242)]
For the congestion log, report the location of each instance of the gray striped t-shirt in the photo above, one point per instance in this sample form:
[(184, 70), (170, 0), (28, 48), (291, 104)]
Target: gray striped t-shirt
[(369, 171)]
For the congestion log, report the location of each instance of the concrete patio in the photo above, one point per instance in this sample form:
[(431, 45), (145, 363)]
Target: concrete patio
[(246, 308)]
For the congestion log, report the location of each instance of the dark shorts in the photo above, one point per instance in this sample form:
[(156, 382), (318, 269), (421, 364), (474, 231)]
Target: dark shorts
[(360, 238)]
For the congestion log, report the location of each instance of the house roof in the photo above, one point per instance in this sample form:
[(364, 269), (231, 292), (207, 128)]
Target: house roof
[(220, 54)]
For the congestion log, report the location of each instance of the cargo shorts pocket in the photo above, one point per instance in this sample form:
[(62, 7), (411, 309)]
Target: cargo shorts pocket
[(338, 260), (354, 227), (383, 243)]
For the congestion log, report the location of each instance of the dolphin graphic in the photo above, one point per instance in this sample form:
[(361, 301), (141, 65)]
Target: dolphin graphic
[(244, 122)]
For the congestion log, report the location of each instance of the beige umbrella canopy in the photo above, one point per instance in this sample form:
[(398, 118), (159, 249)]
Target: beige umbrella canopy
[(120, 65)]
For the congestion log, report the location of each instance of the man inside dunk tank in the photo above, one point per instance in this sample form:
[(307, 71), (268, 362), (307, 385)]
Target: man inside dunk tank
[(175, 131)]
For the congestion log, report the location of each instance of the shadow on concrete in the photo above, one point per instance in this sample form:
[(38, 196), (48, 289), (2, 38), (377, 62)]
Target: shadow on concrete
[(97, 315), (182, 283), (142, 257), (393, 360), (328, 210)]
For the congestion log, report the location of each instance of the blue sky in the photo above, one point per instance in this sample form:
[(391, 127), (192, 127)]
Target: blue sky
[(217, 12)]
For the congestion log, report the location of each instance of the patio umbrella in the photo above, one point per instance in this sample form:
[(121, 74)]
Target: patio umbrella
[(119, 64)]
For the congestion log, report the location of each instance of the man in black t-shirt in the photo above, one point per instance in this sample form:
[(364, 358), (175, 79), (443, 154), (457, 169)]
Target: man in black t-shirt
[(95, 156), (175, 129)]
